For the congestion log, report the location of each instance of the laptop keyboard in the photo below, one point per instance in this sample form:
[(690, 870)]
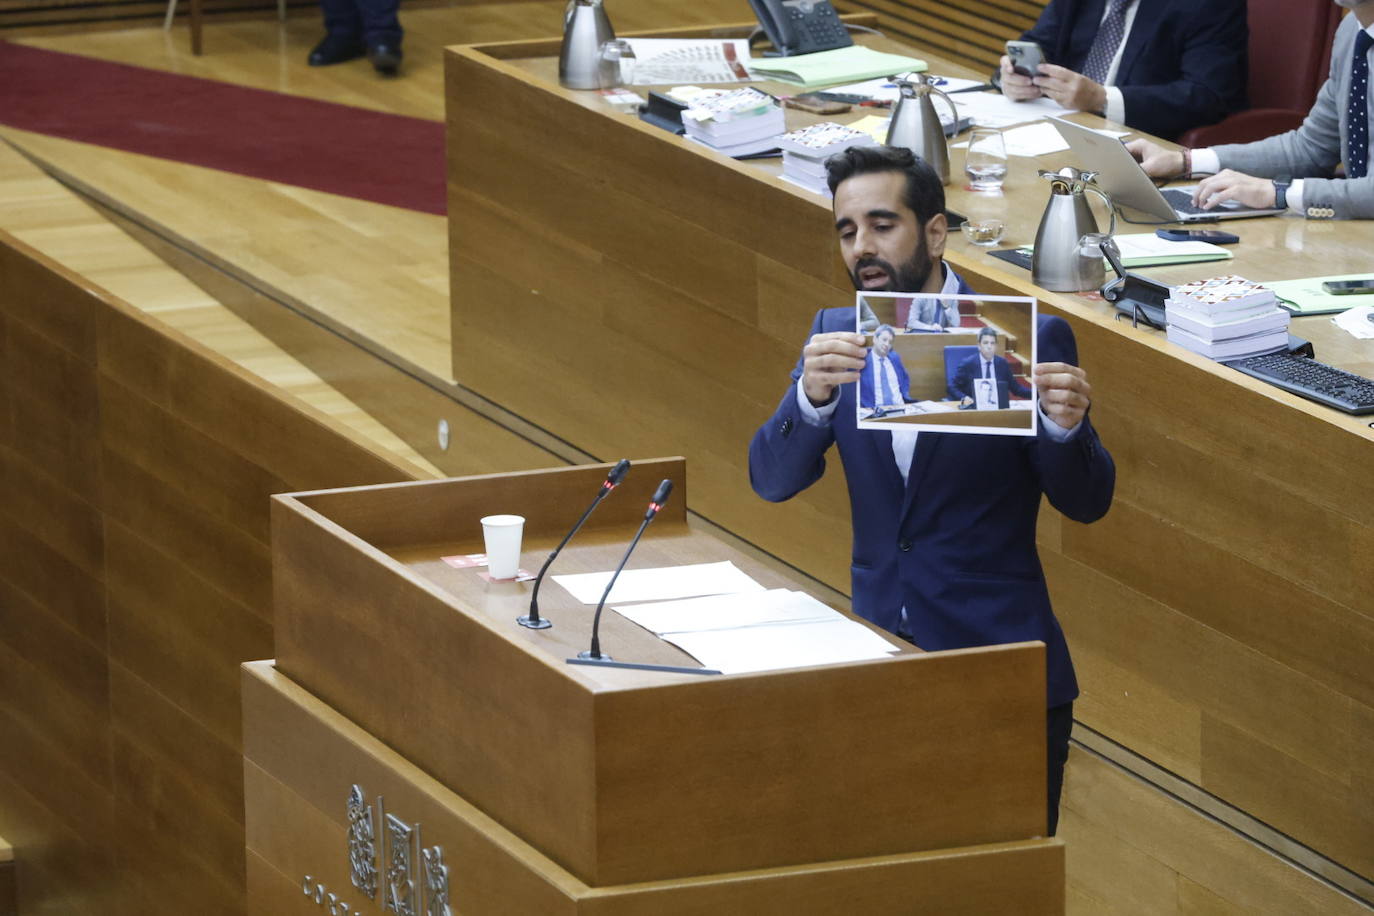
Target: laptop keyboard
[(1313, 380), (1182, 201)]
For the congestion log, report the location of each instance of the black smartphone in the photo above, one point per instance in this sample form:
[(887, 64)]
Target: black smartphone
[(1215, 236), (1026, 57), (1349, 287)]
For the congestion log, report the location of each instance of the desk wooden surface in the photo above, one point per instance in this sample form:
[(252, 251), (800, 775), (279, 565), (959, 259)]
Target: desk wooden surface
[(1219, 616)]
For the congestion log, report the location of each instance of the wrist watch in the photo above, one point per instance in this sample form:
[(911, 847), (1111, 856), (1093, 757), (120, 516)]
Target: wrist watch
[(1281, 193)]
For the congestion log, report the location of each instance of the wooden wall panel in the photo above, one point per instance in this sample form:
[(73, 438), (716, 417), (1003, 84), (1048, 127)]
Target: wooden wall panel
[(971, 31), (1135, 849), (135, 470)]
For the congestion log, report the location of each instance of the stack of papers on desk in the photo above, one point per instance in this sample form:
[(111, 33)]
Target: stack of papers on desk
[(992, 109), (762, 631), (1226, 318), (739, 122), (665, 61), (804, 152), (842, 65), (661, 584)]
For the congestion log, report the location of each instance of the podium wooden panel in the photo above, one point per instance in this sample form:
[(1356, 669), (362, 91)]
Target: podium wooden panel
[(302, 757), (622, 776)]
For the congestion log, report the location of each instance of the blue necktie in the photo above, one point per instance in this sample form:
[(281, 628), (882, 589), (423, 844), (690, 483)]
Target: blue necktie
[(1357, 114), (1109, 36), (887, 389)]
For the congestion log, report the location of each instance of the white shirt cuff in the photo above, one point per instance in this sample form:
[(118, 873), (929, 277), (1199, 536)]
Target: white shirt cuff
[(1295, 196), (816, 416), (1206, 161), (1116, 105), (1053, 429)]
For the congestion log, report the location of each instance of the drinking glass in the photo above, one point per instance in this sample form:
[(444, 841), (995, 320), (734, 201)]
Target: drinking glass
[(616, 64), (986, 163)]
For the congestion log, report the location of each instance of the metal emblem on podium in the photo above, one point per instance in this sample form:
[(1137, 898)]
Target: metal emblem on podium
[(362, 843), (399, 895), (436, 881)]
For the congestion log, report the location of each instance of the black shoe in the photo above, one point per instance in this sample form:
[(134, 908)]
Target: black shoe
[(386, 58), (335, 49)]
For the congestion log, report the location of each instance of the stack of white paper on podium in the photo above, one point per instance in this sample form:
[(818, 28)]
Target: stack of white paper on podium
[(1226, 318), (739, 122), (759, 631), (804, 152)]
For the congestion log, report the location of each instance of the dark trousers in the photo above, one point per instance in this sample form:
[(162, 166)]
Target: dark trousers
[(1058, 724), (373, 21)]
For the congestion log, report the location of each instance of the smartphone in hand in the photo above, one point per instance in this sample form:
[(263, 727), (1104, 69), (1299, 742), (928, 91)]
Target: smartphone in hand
[(1026, 57)]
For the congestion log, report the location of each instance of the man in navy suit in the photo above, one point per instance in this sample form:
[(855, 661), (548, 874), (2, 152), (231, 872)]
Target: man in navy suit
[(1162, 67), (944, 524), (984, 364), (884, 380)]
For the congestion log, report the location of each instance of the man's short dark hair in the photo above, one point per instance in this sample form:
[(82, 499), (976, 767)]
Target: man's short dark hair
[(885, 327), (986, 331), (925, 195)]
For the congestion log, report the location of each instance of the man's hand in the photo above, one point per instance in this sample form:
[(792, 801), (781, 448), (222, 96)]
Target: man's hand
[(1229, 185), (1072, 90), (1016, 87), (1064, 392), (829, 360), (1157, 161)]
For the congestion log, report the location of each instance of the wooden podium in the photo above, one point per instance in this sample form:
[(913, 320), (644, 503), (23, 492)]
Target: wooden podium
[(469, 744)]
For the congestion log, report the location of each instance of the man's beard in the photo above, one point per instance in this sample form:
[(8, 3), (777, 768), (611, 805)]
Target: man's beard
[(910, 277)]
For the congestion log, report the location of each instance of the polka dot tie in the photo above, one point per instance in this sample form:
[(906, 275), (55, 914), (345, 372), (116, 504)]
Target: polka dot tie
[(1357, 114), (1108, 39)]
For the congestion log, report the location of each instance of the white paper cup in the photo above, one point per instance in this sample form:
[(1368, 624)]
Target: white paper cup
[(502, 535)]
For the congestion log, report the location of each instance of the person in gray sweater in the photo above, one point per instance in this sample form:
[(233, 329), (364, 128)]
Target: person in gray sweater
[(1296, 170)]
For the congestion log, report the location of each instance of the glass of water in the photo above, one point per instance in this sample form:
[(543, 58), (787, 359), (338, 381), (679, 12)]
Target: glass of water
[(616, 64), (986, 164)]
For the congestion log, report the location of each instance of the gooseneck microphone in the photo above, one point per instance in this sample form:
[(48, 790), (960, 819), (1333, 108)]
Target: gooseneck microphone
[(533, 620), (660, 497)]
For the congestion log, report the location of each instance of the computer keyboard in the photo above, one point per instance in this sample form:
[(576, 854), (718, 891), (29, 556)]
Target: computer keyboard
[(1182, 201), (1310, 379)]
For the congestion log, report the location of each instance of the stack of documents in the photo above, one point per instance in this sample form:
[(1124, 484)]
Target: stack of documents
[(761, 631), (1226, 318), (826, 68), (740, 122), (804, 152)]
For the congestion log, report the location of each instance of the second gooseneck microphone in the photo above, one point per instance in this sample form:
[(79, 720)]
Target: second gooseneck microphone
[(656, 503), (533, 620)]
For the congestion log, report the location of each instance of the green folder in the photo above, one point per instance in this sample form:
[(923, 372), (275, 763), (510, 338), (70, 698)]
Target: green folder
[(826, 68), (1306, 296)]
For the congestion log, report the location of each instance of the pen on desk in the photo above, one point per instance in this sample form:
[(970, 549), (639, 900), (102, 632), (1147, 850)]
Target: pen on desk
[(979, 88)]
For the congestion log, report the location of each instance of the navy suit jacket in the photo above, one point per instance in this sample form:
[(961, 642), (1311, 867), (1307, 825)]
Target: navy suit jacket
[(955, 545), (1184, 64), (868, 384), (972, 368)]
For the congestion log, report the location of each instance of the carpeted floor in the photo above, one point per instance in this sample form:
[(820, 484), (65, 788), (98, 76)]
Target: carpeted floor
[(353, 152)]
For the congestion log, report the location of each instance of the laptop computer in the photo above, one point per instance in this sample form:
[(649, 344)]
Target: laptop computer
[(1127, 184)]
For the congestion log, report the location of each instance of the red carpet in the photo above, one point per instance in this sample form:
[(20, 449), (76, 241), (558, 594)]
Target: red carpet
[(354, 152)]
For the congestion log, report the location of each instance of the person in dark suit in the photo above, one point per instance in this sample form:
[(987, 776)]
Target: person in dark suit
[(1162, 67), (956, 567), (984, 364), (884, 380), (353, 28)]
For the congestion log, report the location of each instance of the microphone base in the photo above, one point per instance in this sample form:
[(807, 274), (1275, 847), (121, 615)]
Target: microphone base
[(588, 656), (585, 658), (543, 623)]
